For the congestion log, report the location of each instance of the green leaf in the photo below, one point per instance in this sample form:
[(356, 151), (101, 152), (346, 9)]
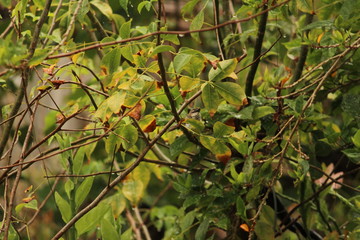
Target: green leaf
[(125, 30), (221, 130), (111, 60), (180, 61), (69, 186), (39, 57), (108, 230), (304, 6), (124, 5), (318, 24), (103, 7), (218, 148), (202, 230), (133, 190), (264, 231), (91, 219), (231, 92), (195, 125), (146, 4), (187, 221), (162, 48), (130, 136), (196, 24), (262, 111), (356, 139), (33, 204), (78, 160), (224, 69), (83, 190), (240, 208), (188, 83), (179, 145), (353, 154), (210, 98), (189, 7), (64, 207), (116, 101)]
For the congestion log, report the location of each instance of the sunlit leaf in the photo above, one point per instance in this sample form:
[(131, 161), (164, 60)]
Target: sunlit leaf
[(133, 190), (225, 69), (63, 206)]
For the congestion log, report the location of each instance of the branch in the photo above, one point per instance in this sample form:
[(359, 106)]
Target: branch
[(303, 52), (257, 51), (118, 179), (99, 45)]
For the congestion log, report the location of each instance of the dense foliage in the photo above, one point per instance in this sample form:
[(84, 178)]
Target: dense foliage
[(194, 119)]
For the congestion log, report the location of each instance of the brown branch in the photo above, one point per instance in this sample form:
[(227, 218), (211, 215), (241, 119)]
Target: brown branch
[(118, 179), (99, 45)]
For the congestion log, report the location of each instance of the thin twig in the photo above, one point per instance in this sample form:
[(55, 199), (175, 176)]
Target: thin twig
[(141, 222), (99, 45)]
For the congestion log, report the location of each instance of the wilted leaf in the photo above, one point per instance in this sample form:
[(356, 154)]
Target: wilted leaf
[(148, 123)]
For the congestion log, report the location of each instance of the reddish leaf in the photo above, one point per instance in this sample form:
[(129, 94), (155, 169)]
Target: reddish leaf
[(136, 112)]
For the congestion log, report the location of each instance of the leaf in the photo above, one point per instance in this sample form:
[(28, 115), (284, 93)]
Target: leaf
[(188, 83), (356, 139), (218, 148), (162, 48), (179, 145), (195, 125), (196, 24), (78, 160), (83, 190), (221, 130), (104, 7), (63, 206), (111, 60), (240, 208), (91, 219), (353, 154), (189, 7), (136, 112), (108, 231), (264, 231), (262, 111), (304, 6), (39, 57), (130, 136), (318, 24), (180, 61), (202, 230), (210, 98), (124, 5), (69, 186), (187, 221), (116, 101), (231, 92), (225, 69), (133, 190), (148, 123), (125, 30)]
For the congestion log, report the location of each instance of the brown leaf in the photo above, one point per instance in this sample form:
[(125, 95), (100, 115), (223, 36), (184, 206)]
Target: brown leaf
[(223, 157), (49, 70), (150, 127), (136, 112), (27, 199)]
